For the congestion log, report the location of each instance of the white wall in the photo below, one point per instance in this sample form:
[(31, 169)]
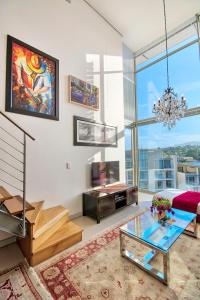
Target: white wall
[(88, 49)]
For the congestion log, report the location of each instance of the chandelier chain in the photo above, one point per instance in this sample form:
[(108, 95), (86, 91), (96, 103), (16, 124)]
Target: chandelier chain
[(169, 108), (166, 42)]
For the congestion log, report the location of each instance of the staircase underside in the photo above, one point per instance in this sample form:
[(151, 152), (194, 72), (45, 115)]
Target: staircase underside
[(10, 224), (6, 239), (11, 209)]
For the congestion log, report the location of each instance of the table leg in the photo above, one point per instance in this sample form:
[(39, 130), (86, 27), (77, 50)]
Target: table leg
[(194, 232), (122, 248), (195, 227), (166, 268), (144, 263)]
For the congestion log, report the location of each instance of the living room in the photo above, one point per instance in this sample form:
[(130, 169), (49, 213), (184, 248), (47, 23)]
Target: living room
[(99, 154)]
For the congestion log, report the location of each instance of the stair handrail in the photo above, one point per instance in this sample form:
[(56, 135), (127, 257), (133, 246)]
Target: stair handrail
[(16, 125)]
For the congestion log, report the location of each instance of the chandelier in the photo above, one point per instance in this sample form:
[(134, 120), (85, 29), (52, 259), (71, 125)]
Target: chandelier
[(169, 108)]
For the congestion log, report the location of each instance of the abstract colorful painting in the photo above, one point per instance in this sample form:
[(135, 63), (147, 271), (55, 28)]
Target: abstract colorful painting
[(32, 81), (83, 93)]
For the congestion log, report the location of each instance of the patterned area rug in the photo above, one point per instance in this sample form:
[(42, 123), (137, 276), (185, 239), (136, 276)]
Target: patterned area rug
[(22, 283), (96, 271)]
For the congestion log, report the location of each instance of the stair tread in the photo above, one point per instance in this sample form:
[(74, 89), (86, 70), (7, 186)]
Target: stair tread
[(39, 240), (4, 194), (47, 216), (15, 205), (32, 215), (66, 231)]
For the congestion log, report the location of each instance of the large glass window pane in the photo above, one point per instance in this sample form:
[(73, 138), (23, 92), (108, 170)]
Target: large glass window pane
[(128, 81), (170, 158), (175, 42), (184, 70), (128, 156), (149, 85)]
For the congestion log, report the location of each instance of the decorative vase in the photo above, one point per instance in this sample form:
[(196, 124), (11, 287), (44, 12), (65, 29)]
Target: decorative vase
[(162, 218)]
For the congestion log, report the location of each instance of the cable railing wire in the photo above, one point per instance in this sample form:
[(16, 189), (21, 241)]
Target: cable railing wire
[(11, 155), (11, 165), (11, 146), (11, 135), (11, 185), (6, 172), (16, 125)]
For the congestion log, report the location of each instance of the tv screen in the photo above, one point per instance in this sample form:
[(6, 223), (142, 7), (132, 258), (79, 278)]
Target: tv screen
[(104, 173)]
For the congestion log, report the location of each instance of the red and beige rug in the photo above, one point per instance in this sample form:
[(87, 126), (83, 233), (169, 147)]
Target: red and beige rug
[(96, 271), (22, 283)]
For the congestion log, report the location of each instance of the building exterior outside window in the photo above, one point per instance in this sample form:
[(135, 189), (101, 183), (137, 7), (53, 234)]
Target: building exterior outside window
[(128, 156), (156, 172)]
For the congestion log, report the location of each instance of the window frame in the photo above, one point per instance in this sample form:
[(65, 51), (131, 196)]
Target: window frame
[(148, 121)]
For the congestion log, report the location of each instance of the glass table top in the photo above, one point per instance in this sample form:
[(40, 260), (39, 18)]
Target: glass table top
[(146, 228)]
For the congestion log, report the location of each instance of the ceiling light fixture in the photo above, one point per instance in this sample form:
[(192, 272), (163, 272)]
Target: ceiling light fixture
[(169, 108)]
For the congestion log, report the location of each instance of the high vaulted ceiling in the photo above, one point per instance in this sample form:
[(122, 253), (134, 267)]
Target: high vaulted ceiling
[(141, 21)]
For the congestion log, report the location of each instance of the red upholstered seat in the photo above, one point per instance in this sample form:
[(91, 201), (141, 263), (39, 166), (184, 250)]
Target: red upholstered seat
[(187, 201)]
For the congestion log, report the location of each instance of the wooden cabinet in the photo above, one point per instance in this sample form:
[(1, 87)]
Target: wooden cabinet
[(104, 202)]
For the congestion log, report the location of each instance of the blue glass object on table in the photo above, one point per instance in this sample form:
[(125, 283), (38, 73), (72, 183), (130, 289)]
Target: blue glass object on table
[(147, 228)]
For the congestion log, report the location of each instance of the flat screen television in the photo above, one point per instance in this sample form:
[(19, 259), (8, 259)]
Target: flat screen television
[(103, 173)]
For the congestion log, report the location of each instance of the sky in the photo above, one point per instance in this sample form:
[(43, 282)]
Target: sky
[(184, 72)]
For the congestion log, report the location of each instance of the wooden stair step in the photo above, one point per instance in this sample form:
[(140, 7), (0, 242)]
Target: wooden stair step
[(48, 218), (67, 230), (63, 238), (4, 194), (15, 205), (42, 238), (33, 215)]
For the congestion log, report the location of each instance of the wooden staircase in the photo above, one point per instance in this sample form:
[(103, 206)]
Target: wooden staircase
[(49, 232)]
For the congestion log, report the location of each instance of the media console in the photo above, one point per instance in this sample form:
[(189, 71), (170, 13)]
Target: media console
[(105, 201)]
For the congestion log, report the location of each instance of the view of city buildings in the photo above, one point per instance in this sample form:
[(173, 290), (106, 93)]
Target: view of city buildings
[(158, 170)]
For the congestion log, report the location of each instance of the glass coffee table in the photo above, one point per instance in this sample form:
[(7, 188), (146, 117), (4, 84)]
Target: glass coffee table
[(146, 230)]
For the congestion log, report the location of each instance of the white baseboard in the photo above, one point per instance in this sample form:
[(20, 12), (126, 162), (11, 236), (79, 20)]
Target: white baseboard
[(76, 215)]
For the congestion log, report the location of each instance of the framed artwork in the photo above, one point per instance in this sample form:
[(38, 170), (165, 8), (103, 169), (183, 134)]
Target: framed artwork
[(31, 81), (89, 133), (83, 93)]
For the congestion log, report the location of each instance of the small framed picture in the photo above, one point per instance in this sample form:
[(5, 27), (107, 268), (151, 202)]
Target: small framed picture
[(83, 93), (90, 133), (31, 81)]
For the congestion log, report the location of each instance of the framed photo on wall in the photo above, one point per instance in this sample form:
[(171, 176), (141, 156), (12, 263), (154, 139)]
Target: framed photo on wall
[(90, 133), (83, 93), (31, 81)]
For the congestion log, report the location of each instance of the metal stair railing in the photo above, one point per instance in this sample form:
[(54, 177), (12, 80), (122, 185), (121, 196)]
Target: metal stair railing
[(9, 154)]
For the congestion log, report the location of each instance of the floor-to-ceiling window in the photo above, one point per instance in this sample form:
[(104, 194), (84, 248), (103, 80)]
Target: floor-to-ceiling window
[(168, 158), (129, 111), (129, 156)]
